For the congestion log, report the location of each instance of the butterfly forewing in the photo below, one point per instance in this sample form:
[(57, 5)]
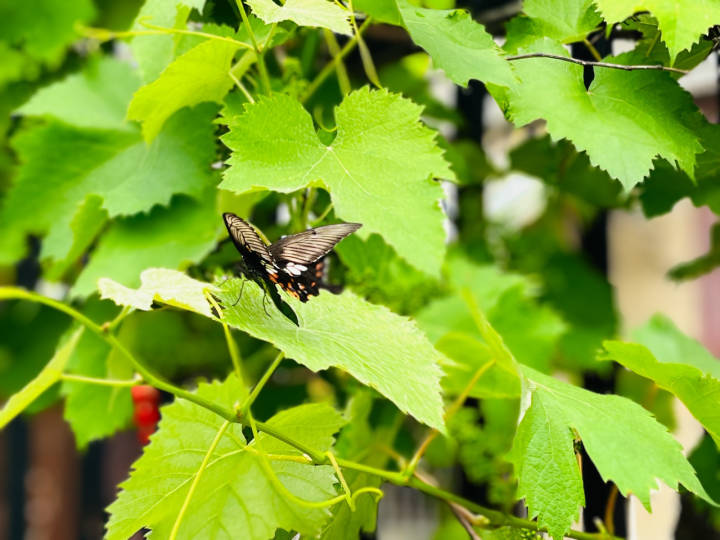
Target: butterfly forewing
[(308, 246), (246, 240)]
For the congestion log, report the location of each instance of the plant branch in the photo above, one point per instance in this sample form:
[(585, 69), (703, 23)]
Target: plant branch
[(147, 374), (102, 34), (100, 382), (655, 67), (330, 66), (260, 53)]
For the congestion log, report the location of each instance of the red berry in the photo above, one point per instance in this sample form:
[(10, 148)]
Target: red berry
[(146, 393), (146, 414)]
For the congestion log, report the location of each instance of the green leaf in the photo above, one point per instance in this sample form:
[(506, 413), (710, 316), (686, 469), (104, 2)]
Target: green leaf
[(95, 411), (234, 496), (116, 166), (623, 121), (676, 363), (377, 347), (166, 286), (49, 375), (365, 168), (201, 74), (43, 28), (566, 21), (547, 470), (458, 45), (681, 21), (323, 13), (173, 237), (529, 330), (97, 97), (154, 52)]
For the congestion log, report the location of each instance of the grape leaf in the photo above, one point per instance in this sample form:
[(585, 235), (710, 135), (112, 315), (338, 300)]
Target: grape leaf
[(680, 21), (201, 74), (96, 97), (167, 286), (623, 121), (566, 21), (43, 28), (95, 411), (699, 391), (676, 363), (366, 168), (608, 425), (170, 237), (377, 347), (380, 10), (117, 166), (323, 13), (48, 376), (234, 497), (458, 45), (154, 52)]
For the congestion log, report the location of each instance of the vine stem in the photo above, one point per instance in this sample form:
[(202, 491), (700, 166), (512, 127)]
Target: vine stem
[(101, 382), (260, 53), (148, 375), (330, 66), (656, 67), (231, 345), (342, 74), (103, 34)]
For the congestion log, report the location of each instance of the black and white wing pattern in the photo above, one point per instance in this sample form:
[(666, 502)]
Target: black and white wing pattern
[(308, 246), (293, 262), (247, 241)]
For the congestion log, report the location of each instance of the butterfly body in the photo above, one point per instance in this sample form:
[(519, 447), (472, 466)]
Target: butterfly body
[(294, 262)]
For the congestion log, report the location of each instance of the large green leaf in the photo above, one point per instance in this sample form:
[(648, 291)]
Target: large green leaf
[(117, 166), (49, 375), (234, 496), (379, 348), (681, 21), (154, 52), (96, 97), (676, 363), (201, 74), (623, 121), (324, 13), (547, 470), (366, 167), (173, 237), (566, 21), (458, 45)]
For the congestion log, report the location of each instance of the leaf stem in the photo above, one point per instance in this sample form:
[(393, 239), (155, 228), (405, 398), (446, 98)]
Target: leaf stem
[(592, 49), (261, 383), (656, 67), (334, 48), (103, 34), (330, 66), (196, 479), (101, 382), (260, 53), (231, 345), (241, 86)]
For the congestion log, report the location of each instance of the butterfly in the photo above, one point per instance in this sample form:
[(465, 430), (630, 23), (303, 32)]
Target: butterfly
[(294, 262)]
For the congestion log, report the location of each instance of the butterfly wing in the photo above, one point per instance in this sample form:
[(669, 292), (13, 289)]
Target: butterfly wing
[(247, 241), (304, 285), (300, 250)]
